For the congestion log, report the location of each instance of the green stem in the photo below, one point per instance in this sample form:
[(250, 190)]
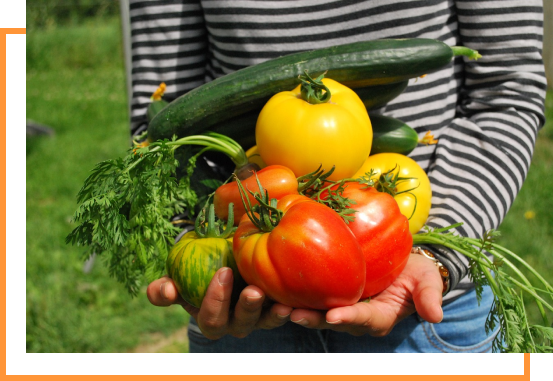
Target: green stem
[(211, 140), (464, 51), (268, 215), (314, 91), (215, 142), (207, 227), (433, 238)]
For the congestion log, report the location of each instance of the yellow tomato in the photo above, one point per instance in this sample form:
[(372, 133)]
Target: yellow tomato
[(414, 204), (303, 136), (254, 157)]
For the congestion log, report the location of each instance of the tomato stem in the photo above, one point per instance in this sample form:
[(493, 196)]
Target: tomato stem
[(208, 227), (268, 215), (314, 91)]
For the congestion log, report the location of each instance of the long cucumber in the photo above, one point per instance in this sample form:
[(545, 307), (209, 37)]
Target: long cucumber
[(360, 64)]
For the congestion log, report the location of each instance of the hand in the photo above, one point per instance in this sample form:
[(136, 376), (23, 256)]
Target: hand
[(215, 317), (418, 288)]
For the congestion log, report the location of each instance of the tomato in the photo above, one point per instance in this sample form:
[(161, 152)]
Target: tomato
[(197, 256), (383, 233), (311, 259), (276, 179), (415, 204), (303, 136)]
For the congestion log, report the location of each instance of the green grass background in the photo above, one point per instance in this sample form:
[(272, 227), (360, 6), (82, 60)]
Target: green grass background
[(76, 85)]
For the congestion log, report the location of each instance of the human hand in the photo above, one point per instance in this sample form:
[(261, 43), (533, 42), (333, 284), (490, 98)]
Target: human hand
[(418, 288), (215, 317)]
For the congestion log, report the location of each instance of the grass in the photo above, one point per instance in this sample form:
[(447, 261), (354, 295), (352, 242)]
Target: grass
[(76, 85), (528, 227)]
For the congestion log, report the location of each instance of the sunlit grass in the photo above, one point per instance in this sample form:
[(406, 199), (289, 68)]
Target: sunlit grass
[(76, 86)]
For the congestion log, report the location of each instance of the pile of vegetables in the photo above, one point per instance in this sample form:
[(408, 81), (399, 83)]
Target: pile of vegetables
[(323, 208)]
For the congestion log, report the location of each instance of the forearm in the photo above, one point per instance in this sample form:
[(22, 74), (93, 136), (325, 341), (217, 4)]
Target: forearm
[(483, 155)]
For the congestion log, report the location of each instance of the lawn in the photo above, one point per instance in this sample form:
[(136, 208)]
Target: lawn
[(76, 86)]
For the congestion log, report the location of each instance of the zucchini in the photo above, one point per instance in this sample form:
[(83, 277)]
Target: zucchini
[(392, 135), (360, 64)]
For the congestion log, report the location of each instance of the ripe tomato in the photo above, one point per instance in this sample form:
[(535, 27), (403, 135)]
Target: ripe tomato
[(311, 259), (415, 205), (303, 136), (277, 179), (383, 233)]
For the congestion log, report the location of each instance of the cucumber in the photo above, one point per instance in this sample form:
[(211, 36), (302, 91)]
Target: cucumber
[(392, 135), (360, 64), (379, 95), (242, 127)]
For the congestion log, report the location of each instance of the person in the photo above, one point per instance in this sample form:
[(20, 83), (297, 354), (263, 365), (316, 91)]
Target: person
[(485, 115)]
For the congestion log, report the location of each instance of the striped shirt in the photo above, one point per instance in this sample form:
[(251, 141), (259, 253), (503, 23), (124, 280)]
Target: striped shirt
[(485, 114)]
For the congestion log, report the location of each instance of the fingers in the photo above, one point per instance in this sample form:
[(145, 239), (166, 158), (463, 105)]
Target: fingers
[(427, 296), (358, 319), (275, 316), (418, 288), (216, 320), (213, 317), (162, 292), (247, 311)]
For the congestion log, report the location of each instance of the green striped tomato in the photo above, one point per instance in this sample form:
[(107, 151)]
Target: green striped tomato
[(193, 261)]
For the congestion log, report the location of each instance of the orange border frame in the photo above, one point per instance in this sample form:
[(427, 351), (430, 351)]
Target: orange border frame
[(3, 97)]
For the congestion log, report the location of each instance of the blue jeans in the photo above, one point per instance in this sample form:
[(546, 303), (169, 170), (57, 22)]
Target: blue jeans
[(462, 330)]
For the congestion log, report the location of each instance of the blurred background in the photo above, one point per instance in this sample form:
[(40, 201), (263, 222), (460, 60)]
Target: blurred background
[(77, 115)]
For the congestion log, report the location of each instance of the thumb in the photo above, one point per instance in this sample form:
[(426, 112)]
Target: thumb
[(427, 296)]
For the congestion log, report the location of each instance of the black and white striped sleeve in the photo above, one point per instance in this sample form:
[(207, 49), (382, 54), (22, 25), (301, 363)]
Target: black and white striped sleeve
[(484, 154), (169, 44)]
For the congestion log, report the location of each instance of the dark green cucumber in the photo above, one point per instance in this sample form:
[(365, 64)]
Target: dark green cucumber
[(242, 127), (360, 64), (392, 135), (379, 95)]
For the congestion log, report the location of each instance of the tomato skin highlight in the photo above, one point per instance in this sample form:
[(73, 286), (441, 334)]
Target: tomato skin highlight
[(311, 259), (304, 136), (383, 233), (278, 180), (418, 200)]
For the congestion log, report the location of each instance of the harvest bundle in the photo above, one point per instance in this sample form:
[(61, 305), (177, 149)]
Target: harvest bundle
[(323, 209)]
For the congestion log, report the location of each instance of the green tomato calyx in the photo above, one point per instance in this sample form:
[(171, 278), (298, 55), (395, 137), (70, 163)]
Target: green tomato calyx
[(265, 215), (207, 226), (314, 91)]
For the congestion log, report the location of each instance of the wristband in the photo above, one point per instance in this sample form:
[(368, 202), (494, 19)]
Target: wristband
[(444, 272)]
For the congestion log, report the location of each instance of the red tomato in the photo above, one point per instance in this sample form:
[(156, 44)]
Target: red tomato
[(311, 259), (276, 179), (383, 233)]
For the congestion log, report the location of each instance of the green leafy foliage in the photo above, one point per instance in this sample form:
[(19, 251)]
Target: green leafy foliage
[(126, 205), (508, 312), (125, 212)]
